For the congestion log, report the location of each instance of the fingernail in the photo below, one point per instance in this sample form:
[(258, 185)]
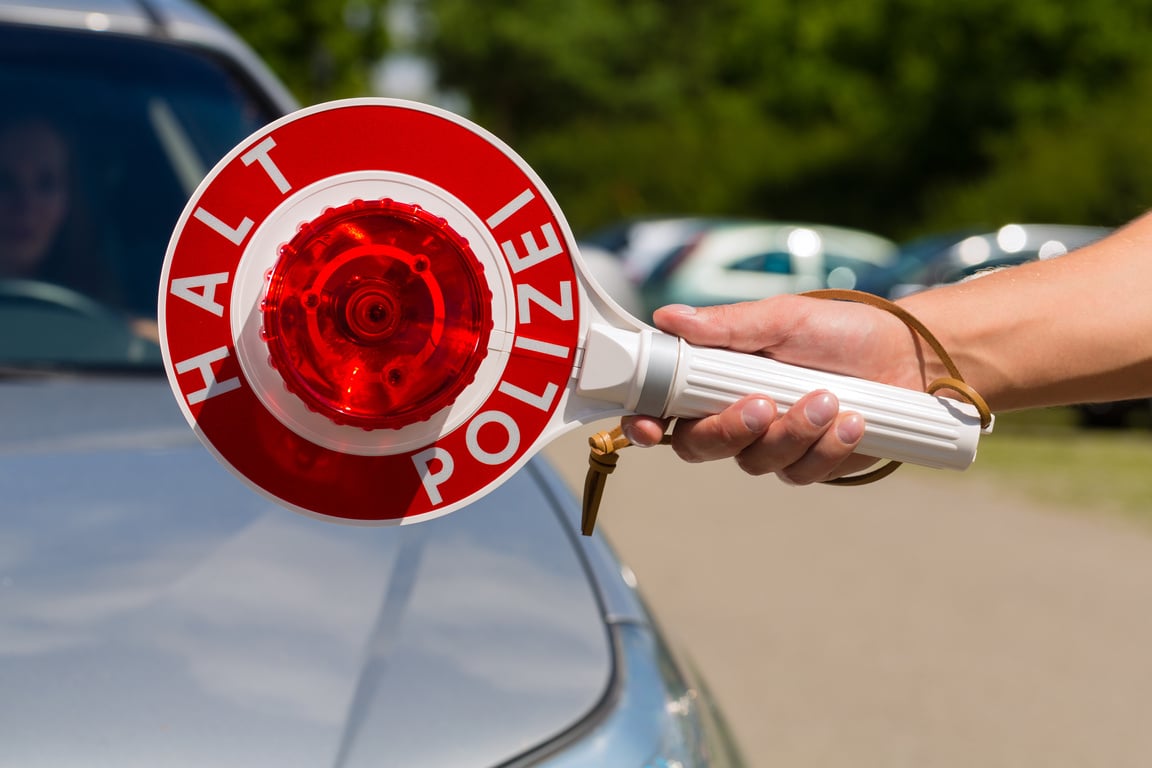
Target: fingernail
[(821, 410), (680, 309), (636, 437), (783, 477), (850, 429), (757, 415)]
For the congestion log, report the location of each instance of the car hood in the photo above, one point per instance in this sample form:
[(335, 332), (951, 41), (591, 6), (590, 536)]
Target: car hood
[(156, 611)]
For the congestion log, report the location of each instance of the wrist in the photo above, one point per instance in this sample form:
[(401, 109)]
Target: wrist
[(969, 338)]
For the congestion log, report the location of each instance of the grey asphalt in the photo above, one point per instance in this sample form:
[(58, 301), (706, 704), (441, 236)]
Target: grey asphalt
[(929, 620)]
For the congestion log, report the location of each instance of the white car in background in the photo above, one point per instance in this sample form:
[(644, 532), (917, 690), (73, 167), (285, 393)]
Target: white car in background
[(748, 261), (643, 244)]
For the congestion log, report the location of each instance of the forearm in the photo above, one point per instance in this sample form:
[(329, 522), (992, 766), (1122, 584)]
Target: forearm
[(1077, 328)]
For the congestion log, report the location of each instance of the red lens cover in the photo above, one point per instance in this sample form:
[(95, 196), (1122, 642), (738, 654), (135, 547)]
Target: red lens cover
[(377, 314)]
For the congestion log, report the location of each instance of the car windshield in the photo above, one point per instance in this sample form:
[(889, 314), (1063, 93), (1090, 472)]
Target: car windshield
[(103, 138)]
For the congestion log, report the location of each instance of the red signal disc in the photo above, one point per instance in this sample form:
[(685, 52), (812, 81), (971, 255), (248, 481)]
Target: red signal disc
[(230, 338), (357, 317)]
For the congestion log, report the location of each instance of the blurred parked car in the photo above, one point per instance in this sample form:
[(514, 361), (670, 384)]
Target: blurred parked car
[(912, 258), (748, 261), (643, 244), (153, 610), (950, 257)]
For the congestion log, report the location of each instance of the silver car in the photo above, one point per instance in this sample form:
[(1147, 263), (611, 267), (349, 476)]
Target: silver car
[(747, 261), (154, 611), (938, 260)]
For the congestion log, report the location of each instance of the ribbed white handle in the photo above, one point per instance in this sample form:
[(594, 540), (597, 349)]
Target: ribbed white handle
[(901, 424)]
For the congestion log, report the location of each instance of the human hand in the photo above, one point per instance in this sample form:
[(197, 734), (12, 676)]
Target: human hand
[(813, 441)]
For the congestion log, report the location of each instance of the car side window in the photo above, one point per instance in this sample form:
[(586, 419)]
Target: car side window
[(771, 262), (102, 140)]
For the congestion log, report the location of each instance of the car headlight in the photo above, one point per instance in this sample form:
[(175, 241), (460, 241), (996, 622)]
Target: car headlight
[(651, 717)]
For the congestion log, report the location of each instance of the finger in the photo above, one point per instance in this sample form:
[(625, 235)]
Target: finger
[(727, 433), (745, 327), (836, 336), (792, 435), (644, 431), (831, 455)]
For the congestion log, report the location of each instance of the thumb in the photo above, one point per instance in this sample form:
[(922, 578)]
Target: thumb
[(753, 326)]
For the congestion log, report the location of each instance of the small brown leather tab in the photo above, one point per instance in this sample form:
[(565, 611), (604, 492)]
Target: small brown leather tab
[(602, 458), (601, 463)]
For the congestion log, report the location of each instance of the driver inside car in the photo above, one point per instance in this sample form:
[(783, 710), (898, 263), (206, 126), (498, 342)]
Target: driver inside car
[(42, 230), (34, 198)]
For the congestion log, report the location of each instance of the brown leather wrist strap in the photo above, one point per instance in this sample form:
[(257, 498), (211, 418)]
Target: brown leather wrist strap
[(954, 381), (605, 446)]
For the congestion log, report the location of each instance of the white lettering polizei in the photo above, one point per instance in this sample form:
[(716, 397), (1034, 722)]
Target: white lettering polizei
[(534, 253), (542, 402), (430, 479), (527, 295), (511, 431), (543, 347), (201, 291), (203, 364), (510, 209)]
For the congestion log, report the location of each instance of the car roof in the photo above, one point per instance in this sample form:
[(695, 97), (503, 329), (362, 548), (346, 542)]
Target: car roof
[(717, 242), (170, 20)]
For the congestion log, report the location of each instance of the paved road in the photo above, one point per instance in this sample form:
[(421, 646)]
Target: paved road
[(922, 622)]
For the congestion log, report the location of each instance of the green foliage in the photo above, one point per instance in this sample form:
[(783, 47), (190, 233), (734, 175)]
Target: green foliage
[(1092, 165), (894, 115), (322, 49), (898, 116)]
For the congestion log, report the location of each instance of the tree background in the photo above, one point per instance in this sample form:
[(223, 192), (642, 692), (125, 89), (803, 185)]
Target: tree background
[(897, 116)]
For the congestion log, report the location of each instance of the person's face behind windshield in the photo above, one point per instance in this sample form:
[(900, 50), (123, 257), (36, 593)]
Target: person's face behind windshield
[(33, 194)]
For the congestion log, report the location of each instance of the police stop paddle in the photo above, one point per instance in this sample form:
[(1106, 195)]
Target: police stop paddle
[(373, 311)]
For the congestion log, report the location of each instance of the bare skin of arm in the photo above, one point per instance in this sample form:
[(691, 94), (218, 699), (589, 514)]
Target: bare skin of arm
[(1077, 328)]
